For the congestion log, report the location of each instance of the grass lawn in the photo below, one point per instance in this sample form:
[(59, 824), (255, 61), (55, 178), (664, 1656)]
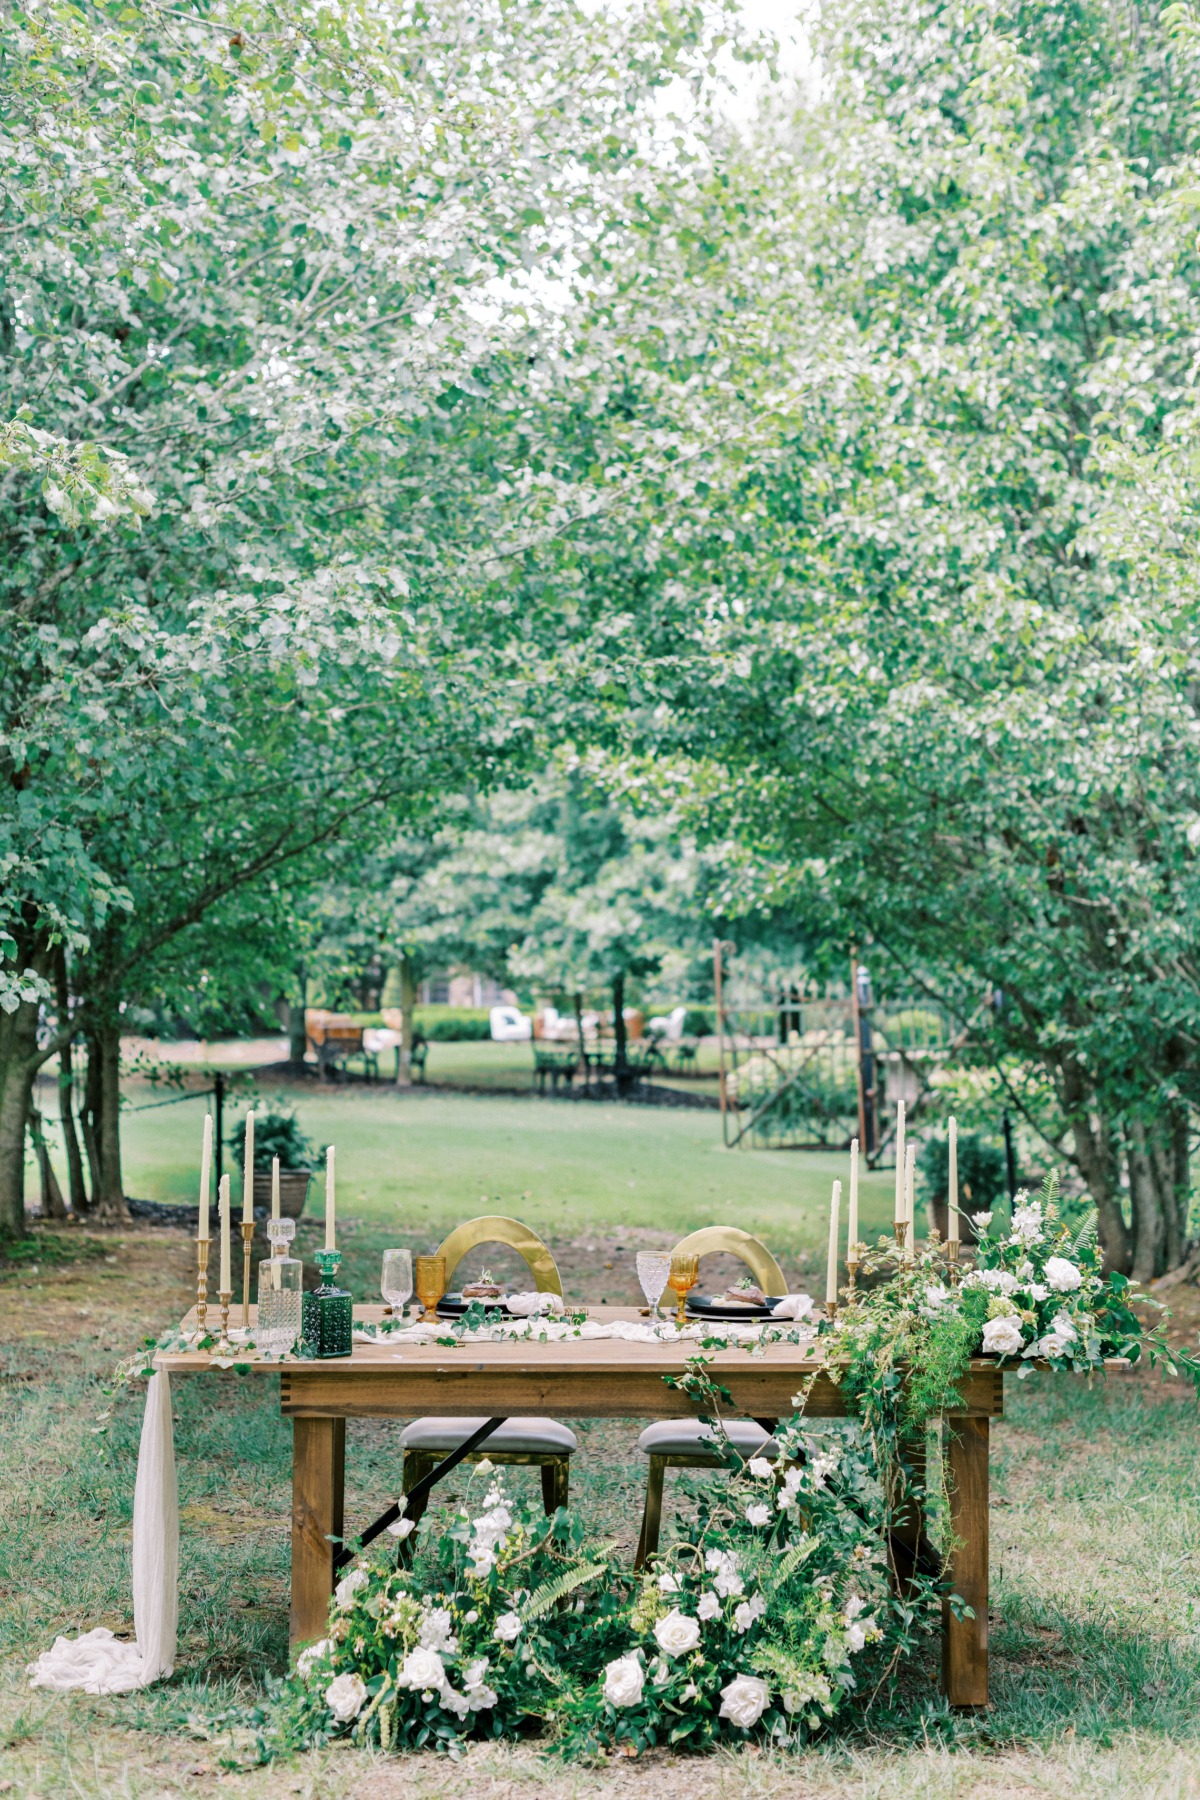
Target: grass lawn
[(1096, 1521)]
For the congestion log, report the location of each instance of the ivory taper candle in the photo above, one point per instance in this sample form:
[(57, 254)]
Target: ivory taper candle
[(223, 1207), (330, 1228), (952, 1186), (831, 1276), (852, 1219), (910, 1185), (205, 1176), (274, 1187), (248, 1172), (900, 1162)]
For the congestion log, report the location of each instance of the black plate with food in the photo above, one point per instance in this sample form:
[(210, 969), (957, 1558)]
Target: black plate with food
[(718, 1306), (453, 1306)]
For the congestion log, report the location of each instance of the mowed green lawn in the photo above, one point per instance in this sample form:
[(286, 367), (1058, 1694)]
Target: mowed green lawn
[(424, 1161)]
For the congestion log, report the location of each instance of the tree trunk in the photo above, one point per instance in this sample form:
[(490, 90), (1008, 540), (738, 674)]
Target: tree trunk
[(621, 1059), (18, 1065), (66, 1091), (408, 1002), (111, 1208), (1097, 1161), (297, 1035), (53, 1204), (90, 1119)]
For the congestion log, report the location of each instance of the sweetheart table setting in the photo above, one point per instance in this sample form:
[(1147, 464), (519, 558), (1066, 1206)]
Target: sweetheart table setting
[(830, 1542)]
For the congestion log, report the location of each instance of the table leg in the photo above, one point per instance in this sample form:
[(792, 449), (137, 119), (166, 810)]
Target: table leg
[(965, 1641), (318, 1487)]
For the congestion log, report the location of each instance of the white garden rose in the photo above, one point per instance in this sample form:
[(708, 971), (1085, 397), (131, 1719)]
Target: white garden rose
[(758, 1514), (981, 1220), (623, 1681), (348, 1586), (345, 1697), (668, 1583), (422, 1669), (760, 1467), (747, 1611), (708, 1606), (508, 1627), (857, 1633), (435, 1631), (722, 1566), (1002, 1337), (1063, 1276), (744, 1700), (677, 1633)]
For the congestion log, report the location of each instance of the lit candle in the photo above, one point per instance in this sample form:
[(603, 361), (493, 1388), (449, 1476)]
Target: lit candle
[(910, 1184), (952, 1186), (831, 1277), (330, 1234), (900, 1162), (205, 1177), (274, 1187), (223, 1207), (852, 1221), (248, 1173)]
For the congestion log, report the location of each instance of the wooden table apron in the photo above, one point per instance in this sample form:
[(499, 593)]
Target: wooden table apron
[(603, 1378)]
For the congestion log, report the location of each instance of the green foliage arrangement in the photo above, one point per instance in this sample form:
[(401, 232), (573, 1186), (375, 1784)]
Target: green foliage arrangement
[(275, 1134)]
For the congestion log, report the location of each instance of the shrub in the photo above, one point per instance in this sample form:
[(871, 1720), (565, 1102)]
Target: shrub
[(982, 1171), (453, 1024), (275, 1134)]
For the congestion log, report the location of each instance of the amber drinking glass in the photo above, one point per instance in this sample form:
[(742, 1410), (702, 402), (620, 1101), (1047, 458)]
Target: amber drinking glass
[(685, 1272), (430, 1273)]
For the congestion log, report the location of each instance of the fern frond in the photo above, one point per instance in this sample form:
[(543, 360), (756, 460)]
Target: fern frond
[(787, 1565), (1086, 1235), (1049, 1193), (551, 1592)]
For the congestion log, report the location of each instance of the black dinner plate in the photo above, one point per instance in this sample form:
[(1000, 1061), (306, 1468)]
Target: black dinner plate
[(453, 1306), (702, 1306)]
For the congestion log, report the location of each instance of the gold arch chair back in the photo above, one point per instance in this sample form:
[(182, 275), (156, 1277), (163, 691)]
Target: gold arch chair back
[(495, 1229), (730, 1241)]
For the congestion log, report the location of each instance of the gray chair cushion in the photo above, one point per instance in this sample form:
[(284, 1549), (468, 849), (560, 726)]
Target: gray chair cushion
[(687, 1437), (528, 1436)]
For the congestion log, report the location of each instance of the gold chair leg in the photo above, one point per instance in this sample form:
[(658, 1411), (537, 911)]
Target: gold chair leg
[(556, 1479), (652, 1515)]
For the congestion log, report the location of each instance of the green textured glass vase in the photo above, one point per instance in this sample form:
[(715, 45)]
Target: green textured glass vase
[(328, 1322)]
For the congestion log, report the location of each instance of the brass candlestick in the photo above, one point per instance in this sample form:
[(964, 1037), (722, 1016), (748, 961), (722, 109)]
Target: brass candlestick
[(201, 1286), (831, 1311), (900, 1232), (247, 1236), (952, 1260), (224, 1347), (852, 1276)]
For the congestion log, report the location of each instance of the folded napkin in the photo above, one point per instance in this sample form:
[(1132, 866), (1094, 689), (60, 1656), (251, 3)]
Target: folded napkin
[(524, 1305), (793, 1306)]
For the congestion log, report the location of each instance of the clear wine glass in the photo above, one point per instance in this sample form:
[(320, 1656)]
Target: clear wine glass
[(396, 1282), (653, 1269)]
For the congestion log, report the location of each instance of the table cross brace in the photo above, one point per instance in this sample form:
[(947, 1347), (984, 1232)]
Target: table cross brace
[(419, 1492)]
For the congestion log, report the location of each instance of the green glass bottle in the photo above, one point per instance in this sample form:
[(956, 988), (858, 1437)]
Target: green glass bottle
[(328, 1311)]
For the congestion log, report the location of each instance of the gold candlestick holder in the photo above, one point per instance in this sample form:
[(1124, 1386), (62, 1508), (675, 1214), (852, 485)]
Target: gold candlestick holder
[(952, 1260), (224, 1347), (247, 1239), (852, 1277), (201, 1286), (831, 1311), (900, 1232)]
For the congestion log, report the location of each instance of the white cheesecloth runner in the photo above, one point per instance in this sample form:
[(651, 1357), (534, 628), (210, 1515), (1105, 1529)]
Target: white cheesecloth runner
[(100, 1663), (97, 1661)]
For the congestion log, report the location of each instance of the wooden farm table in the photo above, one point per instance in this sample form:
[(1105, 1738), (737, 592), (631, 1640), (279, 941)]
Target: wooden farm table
[(603, 1378)]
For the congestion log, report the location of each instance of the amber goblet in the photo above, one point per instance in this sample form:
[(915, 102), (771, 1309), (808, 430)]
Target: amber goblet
[(685, 1272), (429, 1275)]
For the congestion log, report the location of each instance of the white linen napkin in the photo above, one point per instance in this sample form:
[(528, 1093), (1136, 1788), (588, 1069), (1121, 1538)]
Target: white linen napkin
[(793, 1306)]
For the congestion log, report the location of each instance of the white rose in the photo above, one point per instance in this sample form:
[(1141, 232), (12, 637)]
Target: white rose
[(454, 1702), (677, 1633), (857, 1634), (668, 1583), (508, 1627), (981, 1220), (623, 1681), (745, 1700), (1061, 1275), (708, 1607), (1002, 1337), (348, 1586), (480, 1696), (314, 1654), (758, 1514), (474, 1672), (1036, 1291), (855, 1605), (435, 1631), (400, 1528), (345, 1697), (422, 1668), (758, 1465)]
